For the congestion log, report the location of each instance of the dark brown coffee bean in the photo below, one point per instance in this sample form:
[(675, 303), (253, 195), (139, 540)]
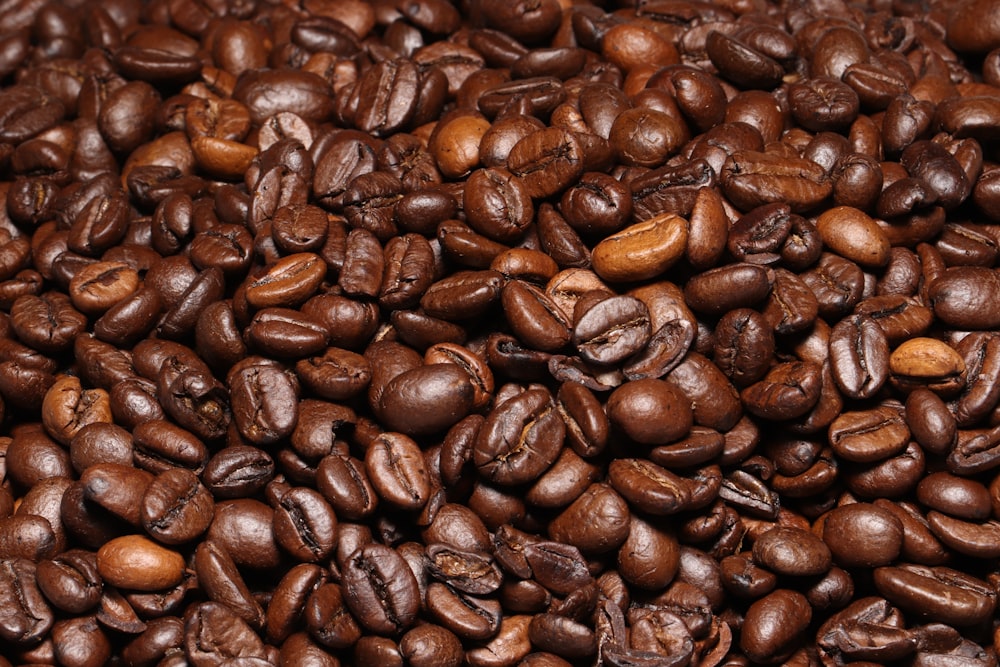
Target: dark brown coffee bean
[(30, 617), (305, 525), (612, 330), (223, 583), (744, 346), (943, 594), (427, 399), (750, 179), (648, 487), (534, 317), (520, 438), (344, 483), (772, 623), (862, 535), (176, 507), (396, 470), (380, 590), (792, 551), (70, 581)]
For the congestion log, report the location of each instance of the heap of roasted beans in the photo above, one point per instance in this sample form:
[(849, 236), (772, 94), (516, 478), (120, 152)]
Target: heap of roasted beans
[(499, 333)]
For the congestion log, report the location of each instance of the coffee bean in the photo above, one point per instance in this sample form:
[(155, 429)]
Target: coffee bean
[(176, 507), (944, 595), (791, 551), (380, 589), (135, 562), (862, 535), (520, 439), (389, 333), (772, 624)]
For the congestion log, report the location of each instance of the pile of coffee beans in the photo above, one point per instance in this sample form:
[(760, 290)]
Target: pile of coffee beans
[(499, 333)]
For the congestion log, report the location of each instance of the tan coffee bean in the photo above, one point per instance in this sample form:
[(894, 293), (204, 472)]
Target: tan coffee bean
[(927, 362), (67, 407), (852, 234), (643, 250), (137, 563)]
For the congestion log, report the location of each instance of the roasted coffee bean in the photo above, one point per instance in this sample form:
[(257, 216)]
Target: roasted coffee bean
[(938, 593), (70, 581), (238, 471), (744, 346), (244, 527), (961, 297), (380, 590), (291, 281), (911, 366), (859, 356), (214, 632), (29, 617), (264, 400), (726, 288), (642, 250), (397, 472), (520, 438), (137, 563), (612, 330), (650, 412), (791, 551), (305, 525), (176, 507), (160, 444), (771, 624), (534, 317), (787, 391), (862, 535), (218, 574), (751, 179), (392, 333), (427, 399), (649, 487)]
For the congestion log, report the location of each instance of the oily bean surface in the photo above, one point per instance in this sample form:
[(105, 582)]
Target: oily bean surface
[(522, 333)]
